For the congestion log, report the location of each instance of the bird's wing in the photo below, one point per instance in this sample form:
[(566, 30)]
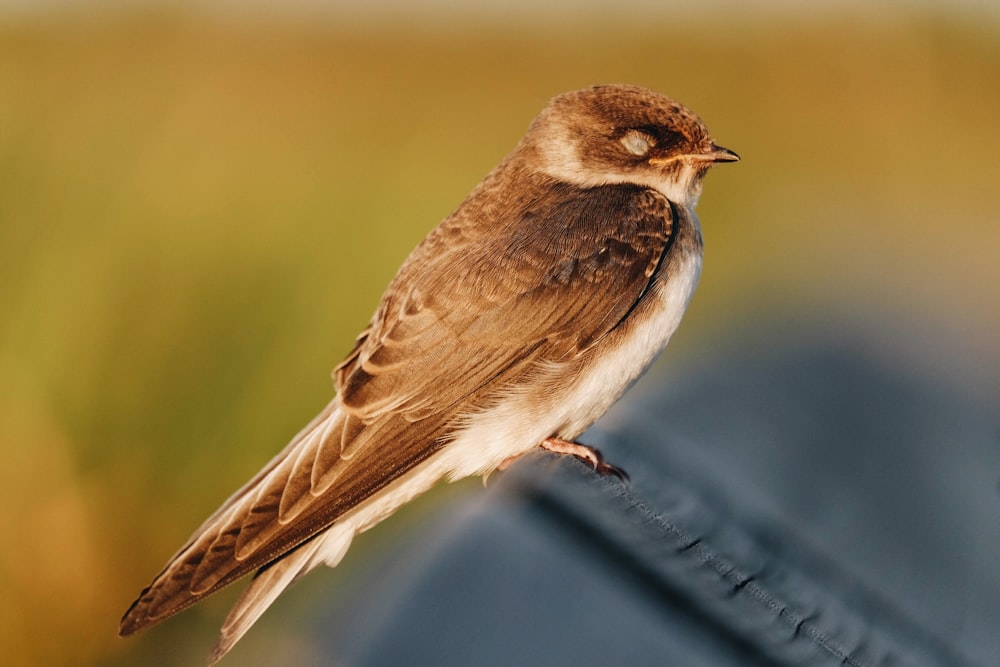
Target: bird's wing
[(467, 305), (466, 311)]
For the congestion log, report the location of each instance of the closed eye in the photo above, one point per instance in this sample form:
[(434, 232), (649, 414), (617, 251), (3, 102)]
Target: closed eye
[(637, 142)]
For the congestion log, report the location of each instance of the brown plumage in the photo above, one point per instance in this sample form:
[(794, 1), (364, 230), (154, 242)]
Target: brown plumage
[(521, 317)]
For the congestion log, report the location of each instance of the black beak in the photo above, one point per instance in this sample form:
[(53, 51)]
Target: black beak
[(720, 154)]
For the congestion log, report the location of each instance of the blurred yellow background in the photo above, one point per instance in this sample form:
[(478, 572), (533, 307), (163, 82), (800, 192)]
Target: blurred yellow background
[(198, 212)]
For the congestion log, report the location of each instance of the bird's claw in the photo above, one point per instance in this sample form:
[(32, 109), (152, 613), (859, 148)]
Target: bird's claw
[(586, 454)]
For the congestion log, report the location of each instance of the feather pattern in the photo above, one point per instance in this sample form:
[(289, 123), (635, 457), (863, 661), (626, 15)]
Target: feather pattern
[(522, 316), (391, 413)]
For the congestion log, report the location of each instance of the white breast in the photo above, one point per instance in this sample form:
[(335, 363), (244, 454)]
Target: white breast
[(516, 426)]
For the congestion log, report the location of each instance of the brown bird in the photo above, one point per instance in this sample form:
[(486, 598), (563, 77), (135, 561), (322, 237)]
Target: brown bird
[(515, 324)]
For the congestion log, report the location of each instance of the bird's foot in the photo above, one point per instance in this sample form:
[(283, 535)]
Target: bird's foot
[(506, 463), (583, 452), (586, 454)]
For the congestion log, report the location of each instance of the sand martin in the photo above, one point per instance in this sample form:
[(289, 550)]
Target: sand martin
[(514, 324)]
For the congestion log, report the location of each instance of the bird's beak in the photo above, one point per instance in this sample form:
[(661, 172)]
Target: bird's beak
[(715, 154), (720, 154)]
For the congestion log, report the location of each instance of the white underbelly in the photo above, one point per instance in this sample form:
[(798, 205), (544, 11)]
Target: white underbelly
[(516, 425)]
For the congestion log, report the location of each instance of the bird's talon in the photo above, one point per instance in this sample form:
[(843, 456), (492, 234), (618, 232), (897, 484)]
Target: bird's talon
[(608, 469), (586, 454)]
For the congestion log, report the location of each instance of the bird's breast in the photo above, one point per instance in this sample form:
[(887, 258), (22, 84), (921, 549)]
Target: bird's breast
[(568, 396), (618, 361)]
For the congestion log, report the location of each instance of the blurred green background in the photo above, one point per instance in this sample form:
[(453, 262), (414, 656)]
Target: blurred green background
[(199, 210)]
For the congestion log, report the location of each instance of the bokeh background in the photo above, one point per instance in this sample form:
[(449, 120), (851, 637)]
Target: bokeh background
[(200, 206)]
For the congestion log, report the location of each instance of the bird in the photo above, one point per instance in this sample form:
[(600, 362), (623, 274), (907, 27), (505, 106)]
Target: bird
[(514, 325)]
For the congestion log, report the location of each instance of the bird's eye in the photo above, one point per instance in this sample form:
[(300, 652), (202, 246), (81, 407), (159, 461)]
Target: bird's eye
[(636, 142)]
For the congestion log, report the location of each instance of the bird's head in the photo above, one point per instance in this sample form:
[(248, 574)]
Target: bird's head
[(625, 134)]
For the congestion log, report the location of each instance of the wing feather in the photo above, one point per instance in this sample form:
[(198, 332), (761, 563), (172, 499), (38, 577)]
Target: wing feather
[(491, 292)]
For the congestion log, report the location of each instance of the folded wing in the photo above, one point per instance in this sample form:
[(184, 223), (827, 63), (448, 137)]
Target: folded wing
[(490, 292)]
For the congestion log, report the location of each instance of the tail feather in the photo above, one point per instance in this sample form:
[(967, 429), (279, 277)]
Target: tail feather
[(327, 548), (265, 588), (253, 532)]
